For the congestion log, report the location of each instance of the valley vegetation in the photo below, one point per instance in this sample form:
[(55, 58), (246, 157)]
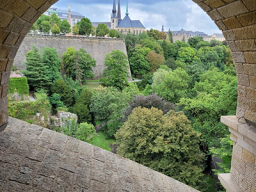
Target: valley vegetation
[(169, 121)]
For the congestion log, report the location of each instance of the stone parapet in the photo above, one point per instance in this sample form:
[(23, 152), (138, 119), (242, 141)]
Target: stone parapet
[(243, 165)]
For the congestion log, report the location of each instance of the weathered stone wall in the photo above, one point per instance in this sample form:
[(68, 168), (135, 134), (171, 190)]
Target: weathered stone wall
[(243, 166), (98, 48)]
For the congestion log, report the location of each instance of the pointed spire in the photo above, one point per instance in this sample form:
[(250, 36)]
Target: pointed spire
[(114, 10), (127, 8), (119, 10)]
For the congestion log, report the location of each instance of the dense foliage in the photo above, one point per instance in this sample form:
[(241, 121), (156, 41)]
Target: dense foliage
[(117, 72), (18, 85), (165, 143)]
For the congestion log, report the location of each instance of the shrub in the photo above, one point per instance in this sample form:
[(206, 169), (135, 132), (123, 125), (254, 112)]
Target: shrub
[(61, 88), (85, 132), (148, 102), (19, 85), (81, 108)]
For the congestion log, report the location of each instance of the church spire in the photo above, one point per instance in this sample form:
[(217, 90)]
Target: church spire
[(119, 10), (114, 10), (127, 8)]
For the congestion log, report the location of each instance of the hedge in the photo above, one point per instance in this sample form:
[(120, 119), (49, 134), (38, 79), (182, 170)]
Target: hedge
[(19, 85)]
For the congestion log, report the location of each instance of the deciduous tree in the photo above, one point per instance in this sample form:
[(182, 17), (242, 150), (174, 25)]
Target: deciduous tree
[(65, 27), (165, 143), (116, 74), (55, 29), (102, 30)]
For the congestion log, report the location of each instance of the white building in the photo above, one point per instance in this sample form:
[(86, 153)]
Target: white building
[(63, 15)]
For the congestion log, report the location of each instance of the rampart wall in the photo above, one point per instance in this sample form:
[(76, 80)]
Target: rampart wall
[(98, 48)]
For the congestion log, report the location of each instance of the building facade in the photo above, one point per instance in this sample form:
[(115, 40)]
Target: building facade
[(124, 25), (184, 35), (63, 15)]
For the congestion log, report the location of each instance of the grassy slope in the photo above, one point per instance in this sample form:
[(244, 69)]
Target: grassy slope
[(102, 142)]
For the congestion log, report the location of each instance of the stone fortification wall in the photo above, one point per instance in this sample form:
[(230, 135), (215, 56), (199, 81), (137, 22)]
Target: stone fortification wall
[(98, 48)]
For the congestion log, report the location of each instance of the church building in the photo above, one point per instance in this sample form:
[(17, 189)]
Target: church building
[(125, 25)]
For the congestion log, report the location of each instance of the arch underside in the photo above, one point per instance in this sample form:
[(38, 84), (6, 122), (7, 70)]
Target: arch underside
[(236, 18)]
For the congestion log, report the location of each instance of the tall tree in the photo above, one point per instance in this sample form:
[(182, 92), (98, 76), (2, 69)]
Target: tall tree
[(85, 27), (162, 36), (61, 88), (170, 36), (165, 49), (46, 26), (75, 30), (116, 74), (36, 70), (155, 60), (40, 20), (102, 30), (55, 20), (55, 29), (50, 58), (194, 41), (153, 34), (65, 26)]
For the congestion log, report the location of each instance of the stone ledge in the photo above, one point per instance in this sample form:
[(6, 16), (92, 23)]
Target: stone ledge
[(231, 122), (227, 183)]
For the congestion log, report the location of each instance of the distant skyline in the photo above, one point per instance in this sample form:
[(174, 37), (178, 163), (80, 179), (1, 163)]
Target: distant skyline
[(173, 14)]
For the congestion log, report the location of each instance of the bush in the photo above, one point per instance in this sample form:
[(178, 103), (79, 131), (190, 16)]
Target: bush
[(26, 111), (81, 108), (165, 143), (61, 88), (148, 102), (85, 132), (19, 85)]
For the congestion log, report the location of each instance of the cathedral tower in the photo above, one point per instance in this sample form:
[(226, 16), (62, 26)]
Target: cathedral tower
[(114, 19), (119, 15)]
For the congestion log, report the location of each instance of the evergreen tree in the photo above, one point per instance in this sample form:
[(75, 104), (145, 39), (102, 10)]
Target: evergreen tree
[(77, 68), (36, 70), (170, 36), (81, 108), (50, 58), (55, 29), (165, 49), (61, 88), (65, 26)]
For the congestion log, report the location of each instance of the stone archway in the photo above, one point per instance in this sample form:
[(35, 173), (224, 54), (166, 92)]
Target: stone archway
[(236, 18)]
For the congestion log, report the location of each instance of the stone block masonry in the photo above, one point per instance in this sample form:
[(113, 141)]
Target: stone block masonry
[(243, 166), (97, 48), (36, 159)]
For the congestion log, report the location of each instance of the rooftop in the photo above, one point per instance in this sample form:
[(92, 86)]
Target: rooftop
[(33, 158)]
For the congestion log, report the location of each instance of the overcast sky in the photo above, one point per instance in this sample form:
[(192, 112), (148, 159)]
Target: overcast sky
[(173, 14)]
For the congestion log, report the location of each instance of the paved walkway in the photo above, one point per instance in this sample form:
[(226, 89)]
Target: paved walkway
[(36, 159)]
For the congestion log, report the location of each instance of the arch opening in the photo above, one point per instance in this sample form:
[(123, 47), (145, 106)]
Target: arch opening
[(236, 18)]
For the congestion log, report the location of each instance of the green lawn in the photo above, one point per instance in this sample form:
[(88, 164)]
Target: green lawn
[(102, 141), (95, 80), (91, 85)]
